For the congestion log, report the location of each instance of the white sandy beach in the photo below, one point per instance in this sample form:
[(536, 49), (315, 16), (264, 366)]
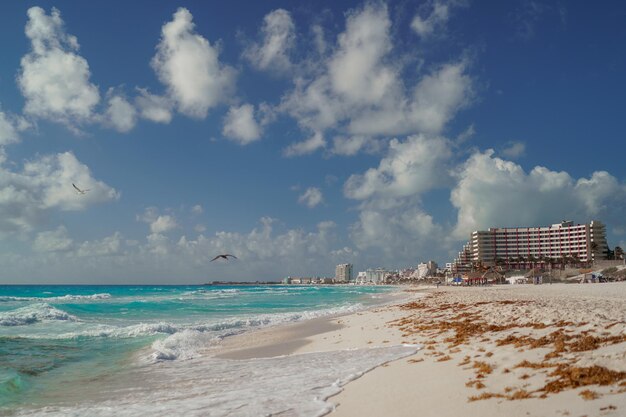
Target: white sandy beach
[(544, 350)]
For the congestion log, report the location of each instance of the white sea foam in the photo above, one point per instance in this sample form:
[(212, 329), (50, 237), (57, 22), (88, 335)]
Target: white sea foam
[(182, 345), (34, 313), (180, 341), (296, 385), (101, 296), (202, 291), (187, 343), (67, 297)]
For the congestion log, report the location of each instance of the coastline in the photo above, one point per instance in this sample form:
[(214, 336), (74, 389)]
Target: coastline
[(292, 338), (514, 350)]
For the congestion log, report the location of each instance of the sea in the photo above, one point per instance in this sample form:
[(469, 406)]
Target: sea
[(149, 350)]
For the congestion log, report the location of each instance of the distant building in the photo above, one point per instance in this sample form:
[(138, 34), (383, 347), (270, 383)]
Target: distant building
[(343, 273), (522, 247), (463, 262), (376, 276), (408, 273), (361, 278), (427, 269), (307, 280)]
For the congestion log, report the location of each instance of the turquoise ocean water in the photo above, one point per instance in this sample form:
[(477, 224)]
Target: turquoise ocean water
[(67, 349)]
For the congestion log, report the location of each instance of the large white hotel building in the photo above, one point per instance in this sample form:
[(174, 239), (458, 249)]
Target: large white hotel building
[(518, 247), (343, 273)]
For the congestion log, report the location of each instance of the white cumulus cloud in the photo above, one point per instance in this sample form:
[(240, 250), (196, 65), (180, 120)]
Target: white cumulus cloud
[(358, 92), (8, 133), (493, 192), (352, 78), (411, 167), (153, 107), (307, 146), (54, 176), (278, 39), (514, 150), (120, 114), (434, 101), (45, 184), (240, 124), (10, 128), (356, 70), (466, 135), (266, 252), (53, 78), (311, 197), (108, 246), (392, 225), (189, 67), (351, 145), (436, 19), (401, 231), (53, 241), (163, 224), (159, 223)]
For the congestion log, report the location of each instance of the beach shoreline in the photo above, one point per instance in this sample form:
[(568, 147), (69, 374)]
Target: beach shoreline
[(136, 351), (529, 334), (291, 338)]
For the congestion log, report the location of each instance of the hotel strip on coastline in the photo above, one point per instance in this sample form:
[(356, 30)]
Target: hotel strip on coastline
[(520, 247)]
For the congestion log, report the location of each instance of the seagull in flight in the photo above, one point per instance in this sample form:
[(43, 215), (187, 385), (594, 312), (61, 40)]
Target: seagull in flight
[(224, 256), (79, 191)]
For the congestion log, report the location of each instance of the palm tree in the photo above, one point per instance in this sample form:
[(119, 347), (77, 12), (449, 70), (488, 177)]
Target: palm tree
[(548, 260), (610, 254), (561, 262), (499, 262), (545, 260)]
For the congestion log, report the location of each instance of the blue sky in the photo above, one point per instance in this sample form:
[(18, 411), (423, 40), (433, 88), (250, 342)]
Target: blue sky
[(298, 135)]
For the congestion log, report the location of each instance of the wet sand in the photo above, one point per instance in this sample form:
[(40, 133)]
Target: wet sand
[(528, 350)]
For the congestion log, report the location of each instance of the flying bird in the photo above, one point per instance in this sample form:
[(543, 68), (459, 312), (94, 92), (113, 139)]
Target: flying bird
[(79, 191), (224, 256)]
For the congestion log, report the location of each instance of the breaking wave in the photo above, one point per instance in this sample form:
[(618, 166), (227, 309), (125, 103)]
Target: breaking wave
[(67, 297), (188, 342), (34, 313)]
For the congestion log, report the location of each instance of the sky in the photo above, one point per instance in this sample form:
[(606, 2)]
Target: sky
[(298, 134)]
